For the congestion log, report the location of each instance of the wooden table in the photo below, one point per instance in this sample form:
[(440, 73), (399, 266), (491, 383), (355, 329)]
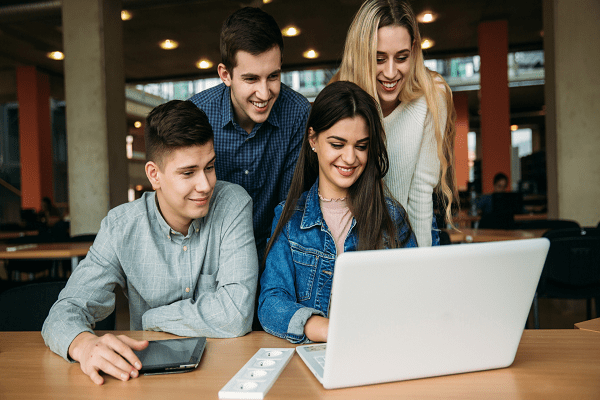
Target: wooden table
[(465, 220), (468, 235), (550, 364), (47, 251), (592, 325), (16, 234)]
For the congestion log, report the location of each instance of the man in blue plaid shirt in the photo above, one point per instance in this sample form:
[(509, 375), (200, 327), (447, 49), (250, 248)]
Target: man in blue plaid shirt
[(258, 121)]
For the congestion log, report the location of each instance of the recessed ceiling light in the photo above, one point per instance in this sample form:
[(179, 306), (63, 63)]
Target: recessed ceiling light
[(427, 44), (310, 54), (290, 31), (56, 55), (204, 64), (426, 17), (125, 15), (169, 44), (137, 124), (267, 1)]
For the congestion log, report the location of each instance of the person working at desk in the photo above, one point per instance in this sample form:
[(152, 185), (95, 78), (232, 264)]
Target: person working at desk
[(337, 203), (184, 254), (484, 205), (258, 121)]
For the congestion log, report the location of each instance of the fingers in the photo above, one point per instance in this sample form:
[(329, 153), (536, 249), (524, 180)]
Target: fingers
[(110, 355)]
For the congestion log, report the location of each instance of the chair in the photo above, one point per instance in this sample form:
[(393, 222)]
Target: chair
[(572, 268), (548, 224), (504, 208), (25, 307), (444, 238)]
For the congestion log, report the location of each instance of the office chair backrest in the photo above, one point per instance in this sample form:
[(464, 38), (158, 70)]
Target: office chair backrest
[(25, 308), (574, 257)]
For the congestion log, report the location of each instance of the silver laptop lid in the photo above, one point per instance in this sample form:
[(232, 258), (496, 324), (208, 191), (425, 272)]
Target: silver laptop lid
[(413, 313)]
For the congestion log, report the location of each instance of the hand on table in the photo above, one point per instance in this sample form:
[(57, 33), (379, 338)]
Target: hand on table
[(109, 353)]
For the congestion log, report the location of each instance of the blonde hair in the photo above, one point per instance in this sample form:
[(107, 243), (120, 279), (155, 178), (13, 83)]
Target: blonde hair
[(361, 45)]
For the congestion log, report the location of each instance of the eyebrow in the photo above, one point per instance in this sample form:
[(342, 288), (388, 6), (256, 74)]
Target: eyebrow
[(251, 75), (188, 167), (398, 52), (344, 140)]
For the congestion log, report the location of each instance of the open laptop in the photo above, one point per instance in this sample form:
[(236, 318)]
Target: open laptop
[(414, 313)]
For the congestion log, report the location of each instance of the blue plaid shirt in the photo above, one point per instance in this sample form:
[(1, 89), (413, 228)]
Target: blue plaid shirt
[(263, 161)]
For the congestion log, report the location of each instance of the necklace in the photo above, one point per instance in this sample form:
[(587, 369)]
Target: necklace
[(325, 199)]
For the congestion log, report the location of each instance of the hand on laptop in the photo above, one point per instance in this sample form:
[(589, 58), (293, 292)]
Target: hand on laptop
[(109, 353), (316, 328)]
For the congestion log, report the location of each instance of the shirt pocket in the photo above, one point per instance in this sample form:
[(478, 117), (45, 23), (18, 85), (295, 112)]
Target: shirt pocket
[(207, 282), (305, 265)]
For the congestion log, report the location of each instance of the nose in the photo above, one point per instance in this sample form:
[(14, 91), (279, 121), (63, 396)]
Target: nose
[(389, 69), (262, 91), (202, 184), (349, 155)]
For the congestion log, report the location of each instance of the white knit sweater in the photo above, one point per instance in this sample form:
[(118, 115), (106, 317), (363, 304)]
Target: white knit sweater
[(414, 165)]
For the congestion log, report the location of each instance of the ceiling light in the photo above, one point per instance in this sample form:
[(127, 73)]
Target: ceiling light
[(290, 31), (310, 54), (267, 1), (204, 64), (169, 44), (125, 15), (426, 17), (427, 44), (137, 124), (514, 127), (56, 55)]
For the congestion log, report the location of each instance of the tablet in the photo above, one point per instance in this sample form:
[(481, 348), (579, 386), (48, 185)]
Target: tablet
[(171, 356)]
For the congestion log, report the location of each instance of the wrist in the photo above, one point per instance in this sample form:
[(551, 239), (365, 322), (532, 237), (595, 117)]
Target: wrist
[(78, 344)]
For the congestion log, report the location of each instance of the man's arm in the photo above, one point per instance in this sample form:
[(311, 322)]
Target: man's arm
[(224, 302)]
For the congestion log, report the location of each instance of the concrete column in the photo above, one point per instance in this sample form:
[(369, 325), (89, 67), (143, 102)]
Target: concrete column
[(572, 56), (35, 137), (495, 101), (461, 144), (96, 121)]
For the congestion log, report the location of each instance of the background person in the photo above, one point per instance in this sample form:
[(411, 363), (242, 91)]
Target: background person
[(336, 203), (383, 56)]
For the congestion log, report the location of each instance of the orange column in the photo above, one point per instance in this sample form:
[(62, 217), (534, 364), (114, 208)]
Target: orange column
[(461, 145), (35, 136), (495, 102)]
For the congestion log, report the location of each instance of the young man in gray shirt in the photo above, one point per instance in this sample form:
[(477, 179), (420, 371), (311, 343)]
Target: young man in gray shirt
[(184, 254)]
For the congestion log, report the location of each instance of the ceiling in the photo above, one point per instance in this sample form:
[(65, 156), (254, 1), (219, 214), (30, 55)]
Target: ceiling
[(27, 34)]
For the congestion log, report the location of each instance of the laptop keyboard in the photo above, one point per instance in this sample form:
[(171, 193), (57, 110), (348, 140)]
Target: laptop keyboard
[(320, 360)]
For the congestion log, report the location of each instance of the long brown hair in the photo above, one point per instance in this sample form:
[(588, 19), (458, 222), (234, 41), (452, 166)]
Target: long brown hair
[(359, 65), (366, 197)]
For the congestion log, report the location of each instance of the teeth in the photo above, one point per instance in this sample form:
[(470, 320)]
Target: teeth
[(345, 169), (389, 85), (260, 105)]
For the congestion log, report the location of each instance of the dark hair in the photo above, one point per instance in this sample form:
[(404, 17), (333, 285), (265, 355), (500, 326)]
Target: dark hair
[(173, 125), (249, 29), (366, 197), (500, 176)]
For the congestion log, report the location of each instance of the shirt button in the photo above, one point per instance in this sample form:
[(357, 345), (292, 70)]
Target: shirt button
[(197, 230), (168, 236), (187, 289), (184, 248), (246, 172)]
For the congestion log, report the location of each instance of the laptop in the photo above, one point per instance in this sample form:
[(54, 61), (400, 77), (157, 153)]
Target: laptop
[(414, 313)]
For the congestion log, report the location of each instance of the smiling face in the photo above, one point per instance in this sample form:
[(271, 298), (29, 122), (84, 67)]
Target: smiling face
[(342, 152), (184, 184), (255, 83), (394, 48)]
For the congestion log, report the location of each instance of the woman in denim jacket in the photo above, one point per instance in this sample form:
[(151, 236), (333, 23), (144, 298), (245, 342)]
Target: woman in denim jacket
[(336, 203)]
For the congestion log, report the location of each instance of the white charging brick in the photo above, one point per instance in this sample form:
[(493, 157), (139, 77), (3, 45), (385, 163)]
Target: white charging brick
[(254, 379)]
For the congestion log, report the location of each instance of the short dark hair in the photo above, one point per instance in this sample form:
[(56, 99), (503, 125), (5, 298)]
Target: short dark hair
[(249, 29), (500, 176), (174, 125)]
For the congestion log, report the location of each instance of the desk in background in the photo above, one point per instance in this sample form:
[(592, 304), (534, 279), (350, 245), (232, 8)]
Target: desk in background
[(592, 325), (47, 251), (5, 235), (468, 235), (550, 364), (464, 220)]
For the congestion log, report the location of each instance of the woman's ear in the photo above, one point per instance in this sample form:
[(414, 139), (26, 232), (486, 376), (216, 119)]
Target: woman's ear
[(312, 138)]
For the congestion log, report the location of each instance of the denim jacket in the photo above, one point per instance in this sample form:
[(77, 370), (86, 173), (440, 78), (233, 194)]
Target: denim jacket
[(296, 283)]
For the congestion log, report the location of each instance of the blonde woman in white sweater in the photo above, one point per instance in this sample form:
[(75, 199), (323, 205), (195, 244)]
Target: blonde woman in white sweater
[(383, 56)]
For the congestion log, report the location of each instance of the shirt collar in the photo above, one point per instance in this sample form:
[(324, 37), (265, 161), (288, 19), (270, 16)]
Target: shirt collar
[(163, 225), (312, 209)]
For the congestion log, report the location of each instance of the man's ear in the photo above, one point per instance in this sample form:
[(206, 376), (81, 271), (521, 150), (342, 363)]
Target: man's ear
[(224, 74), (152, 174)]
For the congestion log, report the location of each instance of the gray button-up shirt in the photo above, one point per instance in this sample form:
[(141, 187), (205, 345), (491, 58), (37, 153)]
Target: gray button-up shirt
[(200, 284)]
